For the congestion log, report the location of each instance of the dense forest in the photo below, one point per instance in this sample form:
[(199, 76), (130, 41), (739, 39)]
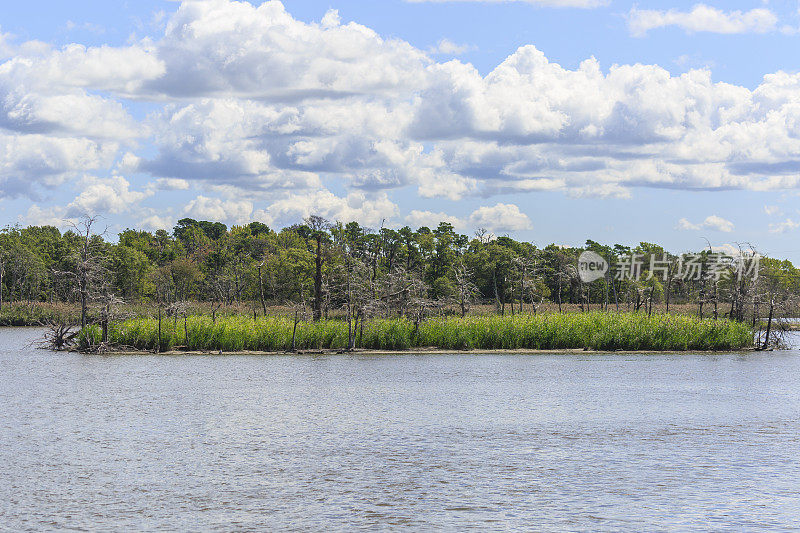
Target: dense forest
[(333, 268)]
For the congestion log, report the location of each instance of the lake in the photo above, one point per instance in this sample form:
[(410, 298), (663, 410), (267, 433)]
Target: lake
[(446, 442)]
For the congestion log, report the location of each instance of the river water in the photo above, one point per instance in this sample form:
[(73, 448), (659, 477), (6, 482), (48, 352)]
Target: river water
[(446, 442)]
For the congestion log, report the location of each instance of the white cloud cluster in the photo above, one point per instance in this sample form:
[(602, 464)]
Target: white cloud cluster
[(713, 222), (500, 218), (785, 226), (112, 195), (703, 18), (266, 116)]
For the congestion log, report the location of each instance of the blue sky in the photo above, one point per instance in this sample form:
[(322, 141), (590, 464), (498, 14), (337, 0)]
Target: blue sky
[(671, 133)]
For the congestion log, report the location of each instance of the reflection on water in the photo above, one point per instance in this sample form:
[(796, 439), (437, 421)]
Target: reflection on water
[(449, 442)]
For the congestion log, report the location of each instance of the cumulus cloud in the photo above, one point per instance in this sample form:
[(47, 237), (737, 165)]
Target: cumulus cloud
[(215, 47), (204, 208), (429, 219), (253, 105), (703, 18), (369, 210), (713, 222), (155, 222), (783, 227), (685, 225), (45, 216), (34, 161), (105, 195), (171, 184), (500, 218)]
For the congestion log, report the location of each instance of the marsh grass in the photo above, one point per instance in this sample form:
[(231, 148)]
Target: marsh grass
[(594, 331), (37, 314)]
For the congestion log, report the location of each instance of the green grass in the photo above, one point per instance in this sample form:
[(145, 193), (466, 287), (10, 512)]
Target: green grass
[(37, 313), (595, 331)]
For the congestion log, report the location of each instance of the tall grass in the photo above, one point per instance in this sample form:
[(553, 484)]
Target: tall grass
[(596, 331), (37, 313)]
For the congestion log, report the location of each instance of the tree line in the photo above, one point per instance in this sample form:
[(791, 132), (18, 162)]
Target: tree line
[(349, 270)]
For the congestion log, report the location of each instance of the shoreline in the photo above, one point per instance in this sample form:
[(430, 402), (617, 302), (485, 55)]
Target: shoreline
[(413, 351)]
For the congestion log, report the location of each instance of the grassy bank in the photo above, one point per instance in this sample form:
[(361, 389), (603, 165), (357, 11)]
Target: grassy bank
[(29, 313), (596, 331), (38, 313)]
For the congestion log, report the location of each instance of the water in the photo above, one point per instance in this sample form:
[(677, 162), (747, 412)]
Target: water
[(589, 442)]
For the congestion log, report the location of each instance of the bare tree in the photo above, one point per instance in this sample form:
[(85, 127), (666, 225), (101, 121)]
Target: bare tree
[(261, 284), (466, 290), (90, 275)]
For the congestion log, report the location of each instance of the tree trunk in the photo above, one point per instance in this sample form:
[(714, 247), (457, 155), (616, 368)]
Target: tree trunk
[(669, 285), (559, 293), (106, 312), (716, 310), (769, 324), (361, 330), (350, 337), (496, 293), (318, 281), (294, 330), (83, 301), (158, 344), (261, 291)]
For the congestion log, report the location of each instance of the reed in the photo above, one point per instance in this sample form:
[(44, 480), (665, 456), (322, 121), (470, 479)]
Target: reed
[(37, 313), (594, 331)]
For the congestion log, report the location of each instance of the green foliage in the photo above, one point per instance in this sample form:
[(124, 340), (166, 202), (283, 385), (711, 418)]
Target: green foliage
[(381, 272), (595, 331)]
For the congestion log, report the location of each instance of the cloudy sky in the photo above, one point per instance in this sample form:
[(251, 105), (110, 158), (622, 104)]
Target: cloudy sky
[(549, 120)]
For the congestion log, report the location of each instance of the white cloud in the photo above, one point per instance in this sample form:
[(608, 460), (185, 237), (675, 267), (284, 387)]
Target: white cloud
[(500, 218), (6, 49), (685, 225), (783, 227), (717, 223), (251, 103), (28, 162), (772, 210), (448, 47), (214, 47), (417, 219), (727, 249), (122, 70), (45, 216), (370, 210), (217, 210), (155, 222), (713, 222), (703, 18), (99, 196), (171, 184)]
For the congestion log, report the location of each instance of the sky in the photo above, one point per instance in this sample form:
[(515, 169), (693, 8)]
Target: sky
[(553, 121)]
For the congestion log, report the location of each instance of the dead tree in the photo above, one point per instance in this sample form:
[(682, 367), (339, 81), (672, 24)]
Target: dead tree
[(466, 289), (88, 266), (261, 286)]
